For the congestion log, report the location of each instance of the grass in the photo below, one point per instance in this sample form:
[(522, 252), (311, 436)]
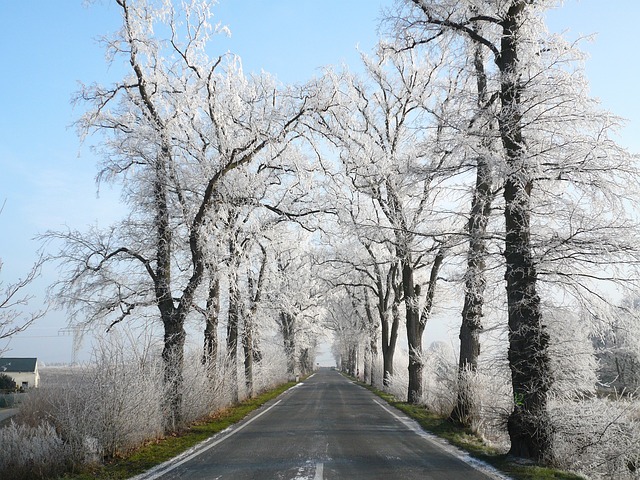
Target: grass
[(157, 452), (468, 441)]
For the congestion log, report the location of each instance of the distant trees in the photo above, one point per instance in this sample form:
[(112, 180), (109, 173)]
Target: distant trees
[(387, 133), (363, 268)]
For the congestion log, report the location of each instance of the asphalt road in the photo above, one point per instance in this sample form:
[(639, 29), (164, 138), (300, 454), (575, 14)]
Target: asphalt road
[(6, 414), (324, 428)]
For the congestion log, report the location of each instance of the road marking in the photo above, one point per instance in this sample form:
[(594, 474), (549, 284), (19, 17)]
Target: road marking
[(445, 446), (319, 471), (162, 469)]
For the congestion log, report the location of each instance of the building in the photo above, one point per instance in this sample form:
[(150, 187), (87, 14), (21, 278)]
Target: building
[(24, 371)]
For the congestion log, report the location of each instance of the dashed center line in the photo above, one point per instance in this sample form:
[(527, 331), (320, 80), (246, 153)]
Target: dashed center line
[(319, 471)]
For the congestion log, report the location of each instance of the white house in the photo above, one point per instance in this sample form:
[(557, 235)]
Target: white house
[(24, 371)]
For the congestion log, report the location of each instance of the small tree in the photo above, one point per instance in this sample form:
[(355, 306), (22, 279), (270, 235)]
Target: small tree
[(7, 384)]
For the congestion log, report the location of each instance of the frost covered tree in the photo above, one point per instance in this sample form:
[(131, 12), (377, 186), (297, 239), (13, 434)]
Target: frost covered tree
[(386, 131), (529, 428), (559, 163), (173, 128)]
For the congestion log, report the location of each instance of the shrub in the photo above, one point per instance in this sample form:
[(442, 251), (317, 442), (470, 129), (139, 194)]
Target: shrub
[(7, 384), (105, 408), (599, 437), (32, 452)]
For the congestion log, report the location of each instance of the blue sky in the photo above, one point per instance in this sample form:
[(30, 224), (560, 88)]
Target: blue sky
[(46, 176)]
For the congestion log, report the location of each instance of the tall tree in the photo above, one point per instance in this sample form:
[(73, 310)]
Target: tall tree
[(552, 140), (480, 127), (174, 128), (528, 424)]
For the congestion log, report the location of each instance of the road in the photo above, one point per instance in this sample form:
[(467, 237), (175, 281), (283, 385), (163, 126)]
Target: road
[(324, 428), (6, 414)]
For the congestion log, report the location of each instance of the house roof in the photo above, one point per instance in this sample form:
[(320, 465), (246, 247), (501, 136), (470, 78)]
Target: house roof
[(16, 365)]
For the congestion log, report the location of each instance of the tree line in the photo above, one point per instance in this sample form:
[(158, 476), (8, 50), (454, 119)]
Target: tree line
[(462, 154)]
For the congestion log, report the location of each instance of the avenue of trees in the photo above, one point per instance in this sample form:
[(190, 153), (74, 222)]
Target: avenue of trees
[(461, 169)]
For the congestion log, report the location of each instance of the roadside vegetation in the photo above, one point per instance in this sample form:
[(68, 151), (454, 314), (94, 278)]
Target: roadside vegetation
[(52, 437), (166, 448), (471, 442)]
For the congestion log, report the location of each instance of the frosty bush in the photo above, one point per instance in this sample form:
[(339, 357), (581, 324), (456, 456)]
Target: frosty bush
[(106, 408), (32, 452), (492, 386), (126, 395), (573, 360), (204, 389), (599, 437), (439, 378), (272, 368), (399, 381)]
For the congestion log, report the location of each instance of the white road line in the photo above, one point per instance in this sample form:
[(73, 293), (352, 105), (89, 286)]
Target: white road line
[(447, 447), (166, 467), (319, 471)]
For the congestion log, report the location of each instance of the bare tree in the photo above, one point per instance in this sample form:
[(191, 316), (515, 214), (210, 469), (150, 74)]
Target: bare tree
[(14, 300), (174, 129), (390, 142), (553, 140)]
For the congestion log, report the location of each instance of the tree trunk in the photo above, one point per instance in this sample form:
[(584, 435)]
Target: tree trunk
[(173, 321), (529, 424), (373, 357), (366, 372), (414, 332), (371, 349), (173, 360), (471, 326), (353, 360), (373, 379), (389, 340), (232, 332), (287, 329), (306, 362), (388, 293), (247, 345), (210, 353), (251, 352)]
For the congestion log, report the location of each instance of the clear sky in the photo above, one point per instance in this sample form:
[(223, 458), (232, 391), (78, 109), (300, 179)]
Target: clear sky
[(47, 177)]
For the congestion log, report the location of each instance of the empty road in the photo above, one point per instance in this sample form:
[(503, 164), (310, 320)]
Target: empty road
[(324, 428)]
